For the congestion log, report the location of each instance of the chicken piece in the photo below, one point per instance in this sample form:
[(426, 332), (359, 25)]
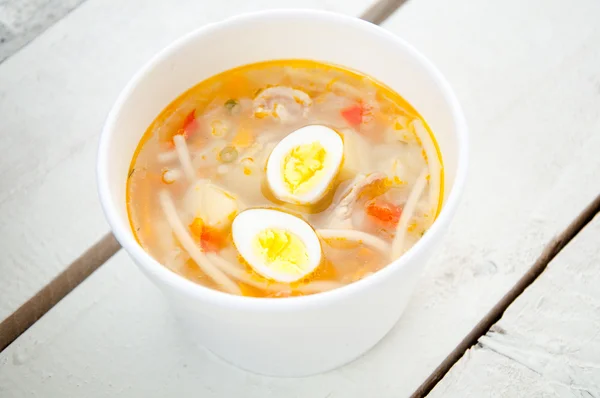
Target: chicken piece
[(282, 103), (346, 198)]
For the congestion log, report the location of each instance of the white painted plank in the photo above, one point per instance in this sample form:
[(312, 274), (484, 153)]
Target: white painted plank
[(54, 95), (22, 20), (547, 343), (528, 77), (134, 349), (534, 161)]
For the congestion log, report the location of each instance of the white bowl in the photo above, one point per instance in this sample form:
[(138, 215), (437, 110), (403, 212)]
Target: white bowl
[(302, 335)]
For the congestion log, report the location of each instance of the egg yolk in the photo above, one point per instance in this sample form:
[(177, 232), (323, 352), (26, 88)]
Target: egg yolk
[(301, 164), (281, 251)]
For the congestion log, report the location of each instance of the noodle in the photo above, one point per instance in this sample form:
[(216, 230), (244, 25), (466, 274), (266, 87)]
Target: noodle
[(274, 287), (189, 245), (433, 162), (168, 156), (184, 157), (407, 213), (351, 234)]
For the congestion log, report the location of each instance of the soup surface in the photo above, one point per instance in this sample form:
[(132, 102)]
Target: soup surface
[(284, 178)]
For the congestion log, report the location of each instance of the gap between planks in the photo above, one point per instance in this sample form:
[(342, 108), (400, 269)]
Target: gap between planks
[(43, 301), (550, 251), (40, 18)]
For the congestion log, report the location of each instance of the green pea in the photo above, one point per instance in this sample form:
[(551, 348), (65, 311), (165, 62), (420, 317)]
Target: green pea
[(228, 154), (230, 104)]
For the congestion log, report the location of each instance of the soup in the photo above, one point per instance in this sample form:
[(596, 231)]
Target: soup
[(284, 178)]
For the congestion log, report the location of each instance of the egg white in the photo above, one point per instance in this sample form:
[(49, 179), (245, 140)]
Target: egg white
[(334, 148), (249, 223)]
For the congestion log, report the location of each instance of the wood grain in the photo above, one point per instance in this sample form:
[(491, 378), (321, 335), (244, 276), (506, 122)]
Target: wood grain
[(550, 252), (21, 21), (34, 308), (531, 169), (547, 343), (529, 87)]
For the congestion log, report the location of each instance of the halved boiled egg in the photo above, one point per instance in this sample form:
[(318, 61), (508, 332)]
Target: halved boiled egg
[(303, 165), (277, 245)]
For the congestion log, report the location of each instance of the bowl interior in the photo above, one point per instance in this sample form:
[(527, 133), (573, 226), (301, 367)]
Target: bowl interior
[(267, 36)]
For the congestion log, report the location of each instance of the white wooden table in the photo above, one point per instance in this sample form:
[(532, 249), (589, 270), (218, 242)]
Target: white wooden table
[(528, 76)]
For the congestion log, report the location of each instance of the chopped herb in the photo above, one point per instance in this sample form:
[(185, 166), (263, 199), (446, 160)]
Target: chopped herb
[(131, 173), (230, 104), (138, 229)]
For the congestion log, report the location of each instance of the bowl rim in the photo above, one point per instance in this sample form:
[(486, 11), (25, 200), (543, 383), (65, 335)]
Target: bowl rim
[(148, 264)]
